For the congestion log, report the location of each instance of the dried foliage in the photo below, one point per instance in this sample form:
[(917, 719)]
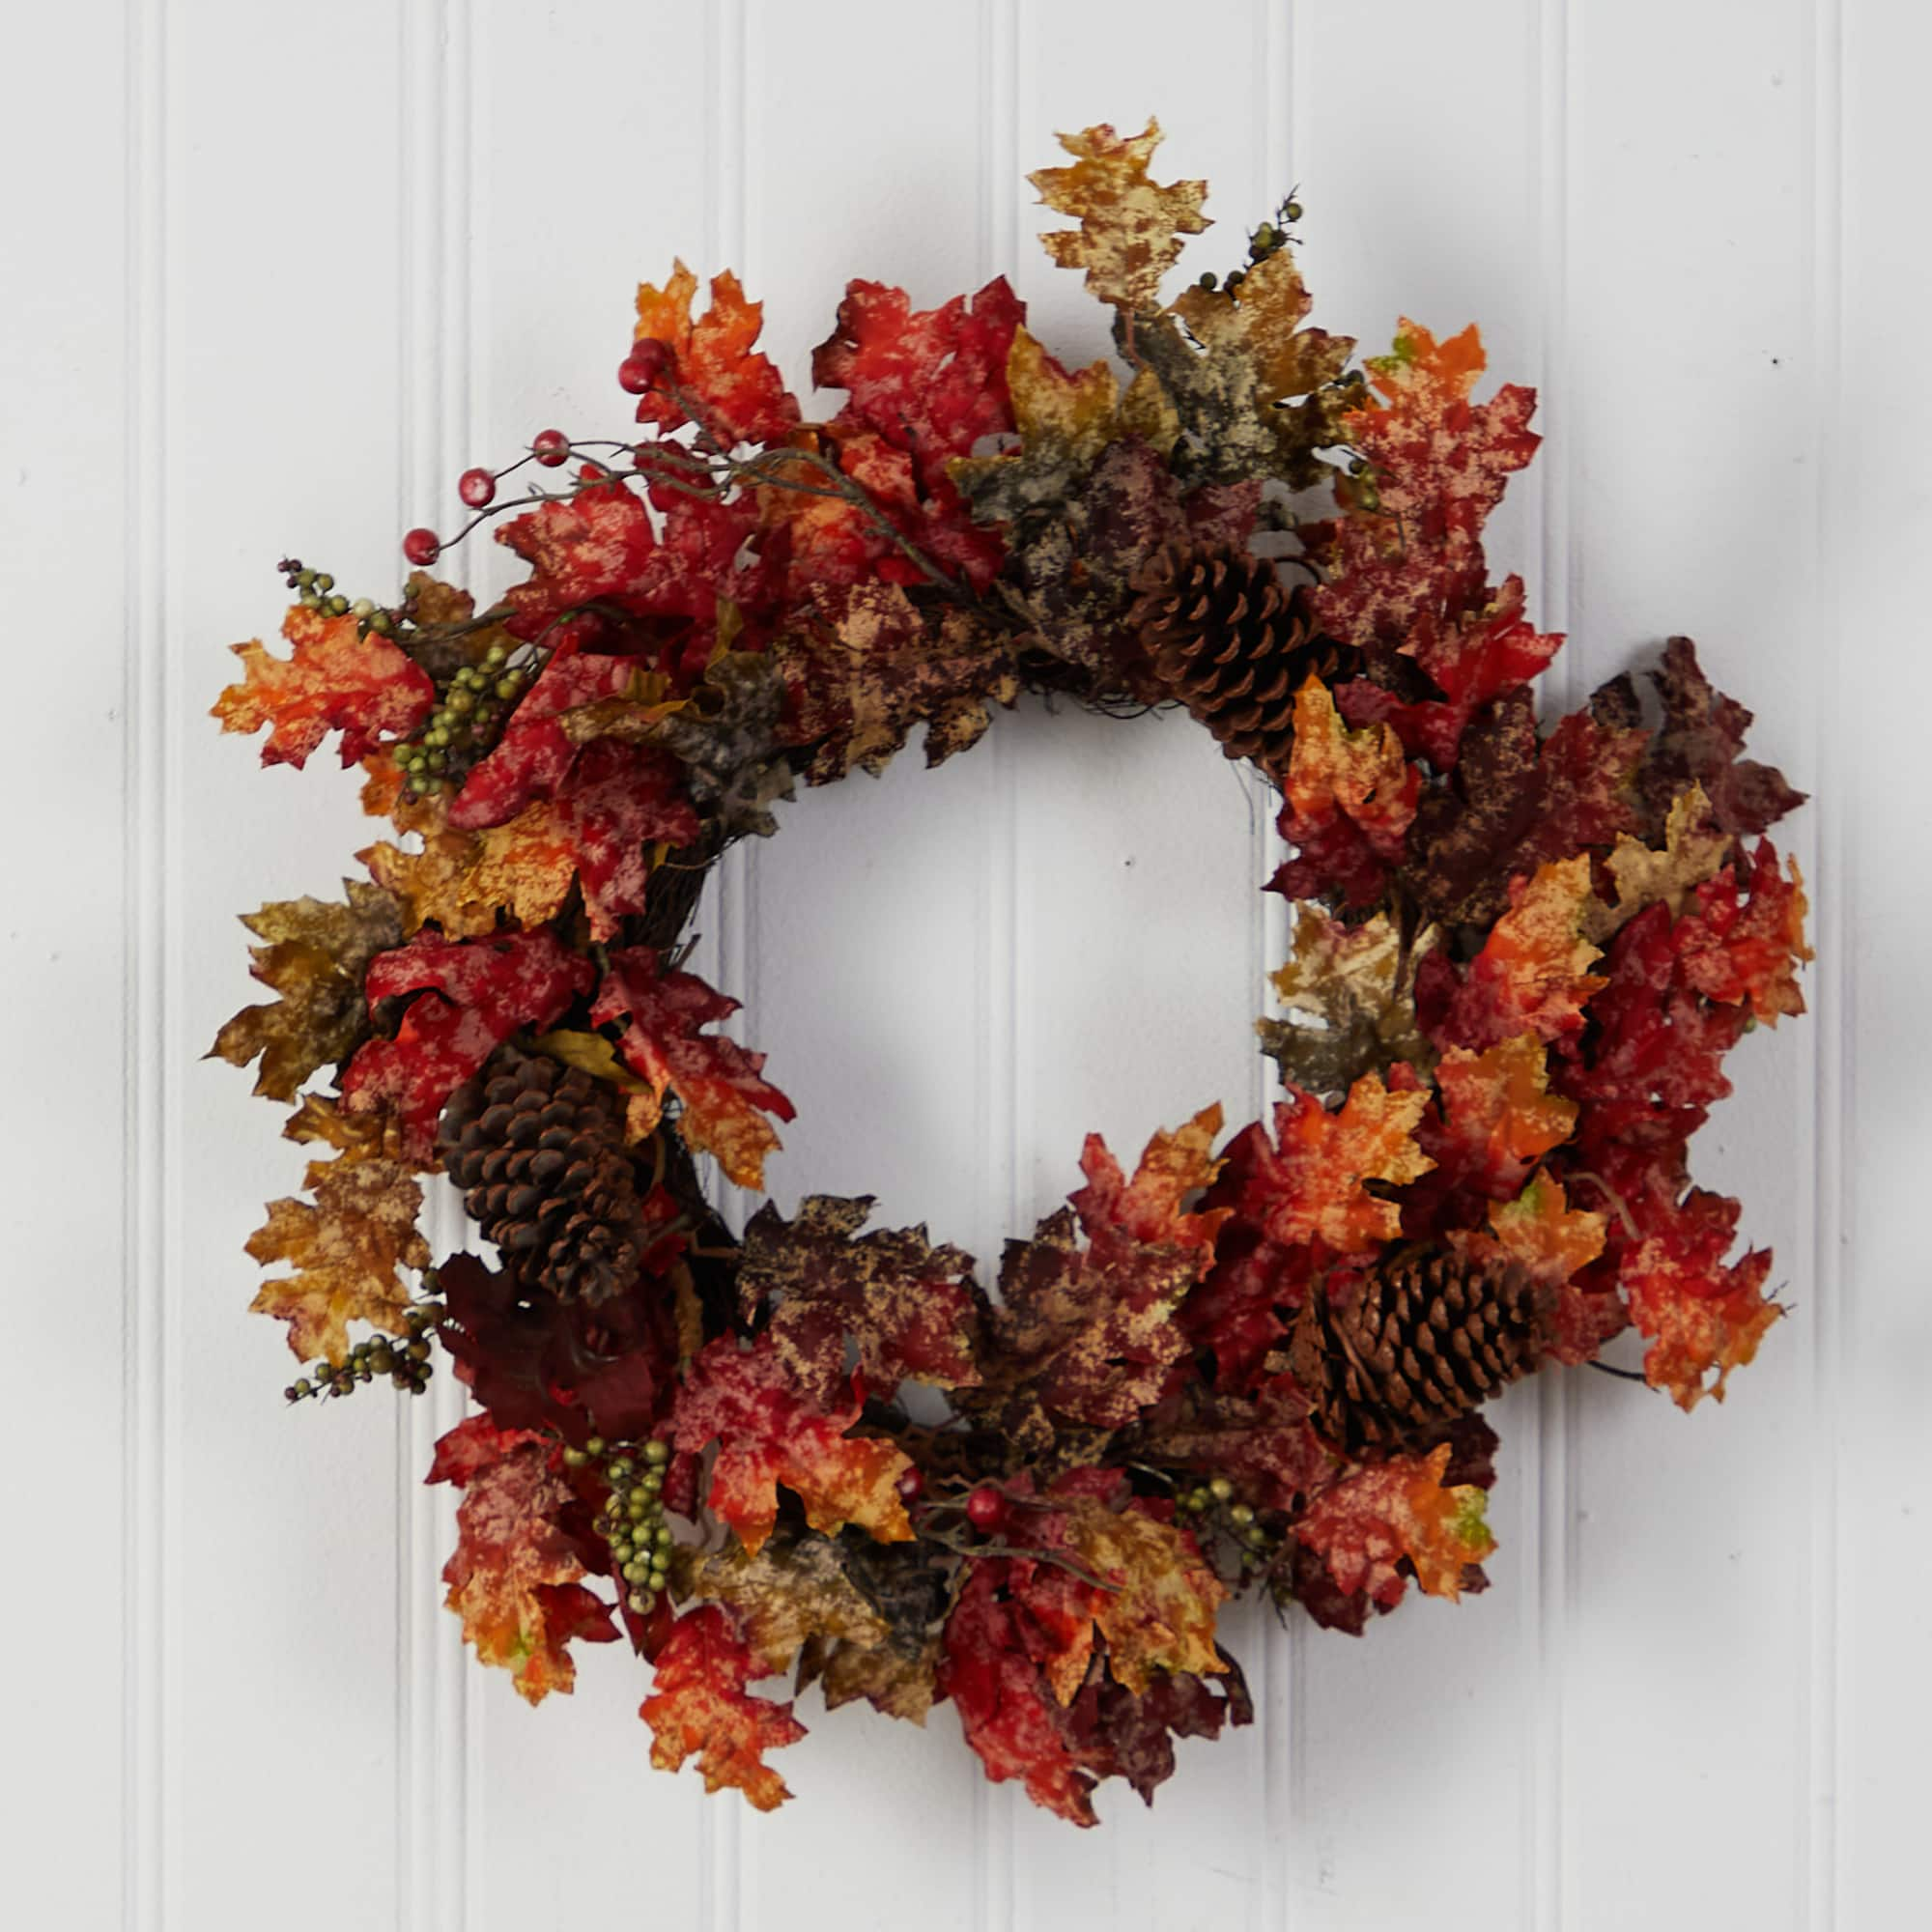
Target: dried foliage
[(1520, 955)]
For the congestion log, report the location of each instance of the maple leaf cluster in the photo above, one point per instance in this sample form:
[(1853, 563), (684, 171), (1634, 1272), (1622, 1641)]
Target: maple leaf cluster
[(1520, 951)]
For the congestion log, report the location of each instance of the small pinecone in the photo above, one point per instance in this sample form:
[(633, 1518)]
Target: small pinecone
[(1422, 1340), (538, 1149), (1227, 637)]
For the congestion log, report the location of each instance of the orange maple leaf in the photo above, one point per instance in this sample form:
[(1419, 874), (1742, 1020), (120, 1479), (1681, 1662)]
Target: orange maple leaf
[(700, 1707), (1533, 972), (767, 1433), (333, 679), (738, 394), (1539, 1230), (1362, 775), (515, 1579), (460, 880), (1147, 1208), (1700, 1313), (1307, 1184), (1371, 1520), (1500, 1111)]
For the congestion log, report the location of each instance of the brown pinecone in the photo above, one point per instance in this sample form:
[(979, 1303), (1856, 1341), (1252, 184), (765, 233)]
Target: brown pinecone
[(1227, 637), (1422, 1339), (538, 1149)]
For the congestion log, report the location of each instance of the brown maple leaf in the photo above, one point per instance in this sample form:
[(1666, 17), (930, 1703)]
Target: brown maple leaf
[(911, 1310), (315, 957)]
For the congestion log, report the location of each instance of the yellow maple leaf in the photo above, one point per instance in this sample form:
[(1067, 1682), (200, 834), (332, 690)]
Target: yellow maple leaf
[(346, 1249), (784, 1593), (462, 879), (1350, 990), (1159, 1615), (1693, 852), (1130, 225)]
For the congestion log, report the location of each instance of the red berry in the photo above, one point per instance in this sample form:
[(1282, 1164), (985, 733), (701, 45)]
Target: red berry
[(633, 378), (422, 548), (552, 447), (985, 1508), (652, 355), (910, 1486), (476, 487)]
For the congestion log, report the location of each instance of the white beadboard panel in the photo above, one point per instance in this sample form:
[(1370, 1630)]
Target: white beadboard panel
[(1875, 502), (1687, 394), (305, 267), (284, 382), (78, 449)]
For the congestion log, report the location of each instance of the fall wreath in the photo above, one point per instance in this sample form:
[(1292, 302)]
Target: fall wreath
[(1518, 958)]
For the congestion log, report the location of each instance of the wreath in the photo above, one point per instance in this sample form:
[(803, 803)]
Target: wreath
[(1518, 958)]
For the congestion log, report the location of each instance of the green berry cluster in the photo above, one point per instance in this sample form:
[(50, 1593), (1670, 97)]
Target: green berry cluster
[(316, 591), (405, 1360), (1269, 238), (1234, 1520), (465, 724), (632, 1522)]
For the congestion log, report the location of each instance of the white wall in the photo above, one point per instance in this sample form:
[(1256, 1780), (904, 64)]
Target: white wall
[(276, 272)]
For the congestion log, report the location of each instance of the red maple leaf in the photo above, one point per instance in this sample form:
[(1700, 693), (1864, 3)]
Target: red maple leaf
[(1747, 944), (1395, 1511), (923, 389), (767, 1433), (718, 1083), (1409, 552), (1470, 658), (514, 1577), (471, 996), (700, 1707)]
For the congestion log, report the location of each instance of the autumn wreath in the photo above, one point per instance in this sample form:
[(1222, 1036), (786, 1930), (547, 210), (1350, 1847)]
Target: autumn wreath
[(1518, 958)]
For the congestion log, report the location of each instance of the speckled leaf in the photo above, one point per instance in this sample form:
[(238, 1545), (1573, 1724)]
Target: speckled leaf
[(700, 1707), (1377, 1515), (333, 679), (1349, 994), (768, 1434), (1130, 225), (909, 1309), (867, 666), (515, 1579), (346, 1250), (315, 957)]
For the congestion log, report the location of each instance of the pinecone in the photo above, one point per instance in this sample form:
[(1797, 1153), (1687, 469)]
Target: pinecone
[(1422, 1339), (1227, 637), (538, 1149)]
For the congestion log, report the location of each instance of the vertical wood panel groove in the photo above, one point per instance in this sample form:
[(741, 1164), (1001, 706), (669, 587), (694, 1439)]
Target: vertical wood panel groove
[(1279, 1821), (440, 1768), (1548, 1453), (1820, 1787), (1000, 1210), (146, 1488)]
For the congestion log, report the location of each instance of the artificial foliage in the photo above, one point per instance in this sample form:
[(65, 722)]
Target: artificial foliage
[(1520, 951)]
